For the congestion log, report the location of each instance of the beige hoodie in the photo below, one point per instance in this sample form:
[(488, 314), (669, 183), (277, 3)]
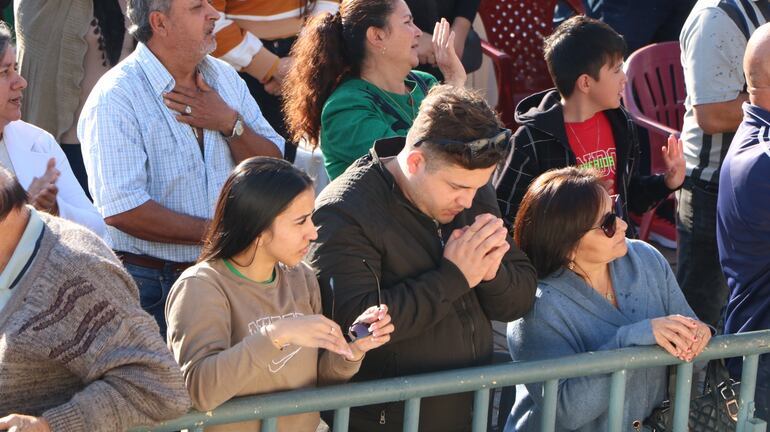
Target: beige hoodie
[(215, 331)]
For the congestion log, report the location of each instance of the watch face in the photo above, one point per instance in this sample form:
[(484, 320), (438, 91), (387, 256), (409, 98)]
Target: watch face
[(238, 127)]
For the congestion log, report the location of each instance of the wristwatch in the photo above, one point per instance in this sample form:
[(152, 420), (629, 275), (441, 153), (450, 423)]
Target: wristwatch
[(237, 128)]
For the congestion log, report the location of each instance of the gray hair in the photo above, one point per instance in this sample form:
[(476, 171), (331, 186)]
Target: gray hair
[(6, 37), (139, 14)]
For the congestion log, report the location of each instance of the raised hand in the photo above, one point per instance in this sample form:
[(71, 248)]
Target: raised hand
[(311, 331), (43, 190), (201, 107), (673, 159), (380, 328), (446, 57)]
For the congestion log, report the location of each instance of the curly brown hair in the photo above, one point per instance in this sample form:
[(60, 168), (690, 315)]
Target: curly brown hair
[(330, 48)]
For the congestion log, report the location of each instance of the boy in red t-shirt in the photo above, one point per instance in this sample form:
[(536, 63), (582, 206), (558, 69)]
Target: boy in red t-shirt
[(581, 122)]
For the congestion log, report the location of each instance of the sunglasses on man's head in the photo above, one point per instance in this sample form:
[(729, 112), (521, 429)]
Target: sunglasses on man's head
[(500, 142), (609, 223)]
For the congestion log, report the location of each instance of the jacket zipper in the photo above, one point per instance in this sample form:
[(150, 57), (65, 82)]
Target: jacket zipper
[(382, 417), (466, 310)]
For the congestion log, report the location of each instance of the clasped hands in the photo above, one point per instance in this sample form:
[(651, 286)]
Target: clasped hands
[(478, 249), (317, 331), (683, 337)]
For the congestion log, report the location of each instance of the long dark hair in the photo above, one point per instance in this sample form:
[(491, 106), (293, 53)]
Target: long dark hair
[(257, 191), (329, 48), (559, 207)]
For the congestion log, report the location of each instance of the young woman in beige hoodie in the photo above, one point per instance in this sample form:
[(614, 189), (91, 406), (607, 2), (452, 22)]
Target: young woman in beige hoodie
[(247, 318)]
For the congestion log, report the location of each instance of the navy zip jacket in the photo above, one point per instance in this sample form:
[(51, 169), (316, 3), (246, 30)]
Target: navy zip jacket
[(540, 144)]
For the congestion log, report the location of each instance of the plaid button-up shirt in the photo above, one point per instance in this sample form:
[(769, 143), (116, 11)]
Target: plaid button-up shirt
[(135, 150)]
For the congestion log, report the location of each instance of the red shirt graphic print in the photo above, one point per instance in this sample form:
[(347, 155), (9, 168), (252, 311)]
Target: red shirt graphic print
[(594, 146)]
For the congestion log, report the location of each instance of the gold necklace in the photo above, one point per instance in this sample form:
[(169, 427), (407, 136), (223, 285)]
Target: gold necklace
[(598, 136)]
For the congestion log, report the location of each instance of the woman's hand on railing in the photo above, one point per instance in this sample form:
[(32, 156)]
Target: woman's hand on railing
[(702, 338), (677, 335), (380, 328), (312, 331), (446, 57)]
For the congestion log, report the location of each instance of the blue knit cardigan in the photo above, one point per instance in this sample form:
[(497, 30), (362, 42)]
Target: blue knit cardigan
[(570, 317)]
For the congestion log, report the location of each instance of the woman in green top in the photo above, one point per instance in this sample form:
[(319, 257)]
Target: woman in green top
[(353, 82)]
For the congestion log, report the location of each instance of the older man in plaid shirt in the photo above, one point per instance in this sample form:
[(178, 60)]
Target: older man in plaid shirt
[(160, 133)]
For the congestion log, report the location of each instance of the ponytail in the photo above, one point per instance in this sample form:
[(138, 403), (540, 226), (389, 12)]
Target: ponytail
[(330, 48), (319, 66)]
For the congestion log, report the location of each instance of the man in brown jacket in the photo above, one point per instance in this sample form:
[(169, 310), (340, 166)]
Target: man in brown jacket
[(77, 353), (422, 213)]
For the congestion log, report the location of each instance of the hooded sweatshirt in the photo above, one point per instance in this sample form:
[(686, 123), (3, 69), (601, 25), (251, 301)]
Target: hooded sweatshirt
[(541, 144)]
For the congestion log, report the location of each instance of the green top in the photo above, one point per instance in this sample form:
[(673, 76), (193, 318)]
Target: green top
[(241, 275), (359, 113)]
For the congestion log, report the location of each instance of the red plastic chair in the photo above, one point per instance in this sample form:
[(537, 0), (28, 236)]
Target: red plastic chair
[(515, 32), (654, 96)]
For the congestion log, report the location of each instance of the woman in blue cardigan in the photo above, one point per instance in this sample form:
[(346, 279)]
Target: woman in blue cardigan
[(597, 291)]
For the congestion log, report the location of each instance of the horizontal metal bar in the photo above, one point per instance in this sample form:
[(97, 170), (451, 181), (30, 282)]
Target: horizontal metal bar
[(459, 380)]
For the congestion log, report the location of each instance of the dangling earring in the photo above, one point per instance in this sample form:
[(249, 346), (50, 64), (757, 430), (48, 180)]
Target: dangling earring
[(571, 265)]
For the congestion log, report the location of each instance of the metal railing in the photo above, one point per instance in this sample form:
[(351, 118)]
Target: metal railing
[(481, 379)]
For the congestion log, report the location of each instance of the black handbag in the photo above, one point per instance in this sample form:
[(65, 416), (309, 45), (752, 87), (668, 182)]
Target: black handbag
[(716, 410)]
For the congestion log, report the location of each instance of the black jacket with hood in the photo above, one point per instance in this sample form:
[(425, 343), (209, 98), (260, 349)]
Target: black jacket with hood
[(440, 322), (540, 144)]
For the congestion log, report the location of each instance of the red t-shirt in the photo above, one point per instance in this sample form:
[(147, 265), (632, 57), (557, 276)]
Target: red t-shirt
[(594, 146)]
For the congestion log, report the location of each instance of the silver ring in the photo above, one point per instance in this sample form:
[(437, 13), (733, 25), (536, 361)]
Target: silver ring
[(187, 109)]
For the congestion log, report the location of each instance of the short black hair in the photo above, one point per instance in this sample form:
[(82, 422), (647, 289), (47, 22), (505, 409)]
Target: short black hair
[(12, 195), (580, 45)]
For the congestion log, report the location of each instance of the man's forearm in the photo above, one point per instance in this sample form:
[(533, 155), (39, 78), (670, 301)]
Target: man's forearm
[(252, 144), (720, 117), (153, 222)]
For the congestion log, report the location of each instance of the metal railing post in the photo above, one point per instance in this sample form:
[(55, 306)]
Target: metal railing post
[(480, 410), (341, 419), (682, 396), (412, 415), (550, 393), (617, 400), (748, 387), (269, 424)]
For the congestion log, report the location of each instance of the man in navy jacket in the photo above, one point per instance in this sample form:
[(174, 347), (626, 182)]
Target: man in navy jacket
[(743, 212)]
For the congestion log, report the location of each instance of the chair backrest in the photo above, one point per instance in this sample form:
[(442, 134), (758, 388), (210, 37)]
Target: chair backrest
[(518, 28), (655, 91)]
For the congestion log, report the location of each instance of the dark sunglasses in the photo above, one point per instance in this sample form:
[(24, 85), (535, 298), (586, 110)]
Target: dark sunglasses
[(359, 330), (501, 142), (609, 223)]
